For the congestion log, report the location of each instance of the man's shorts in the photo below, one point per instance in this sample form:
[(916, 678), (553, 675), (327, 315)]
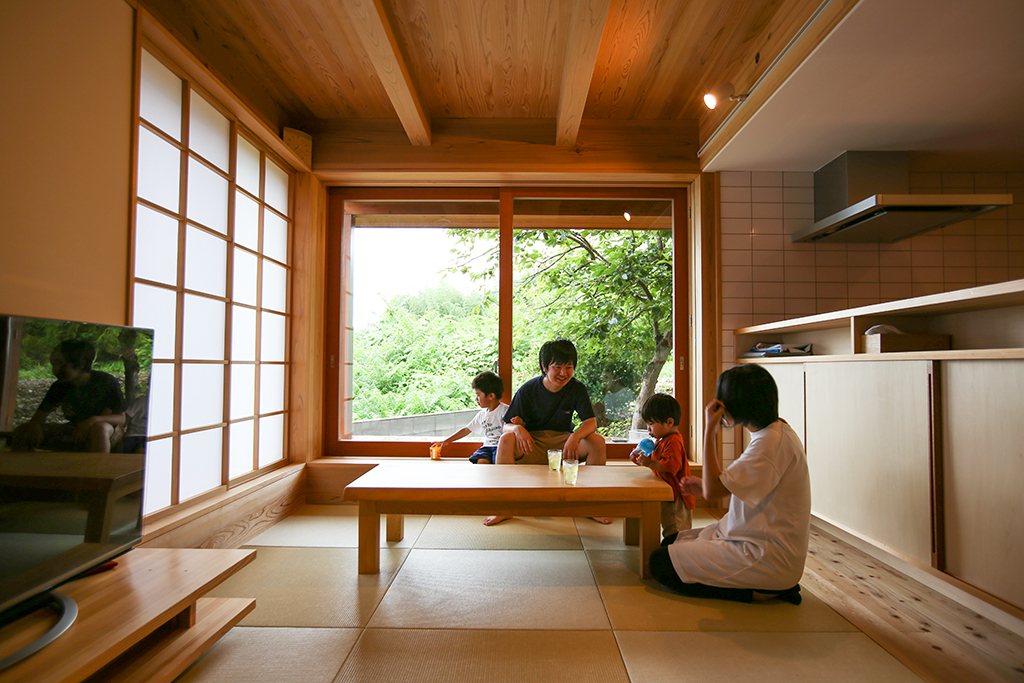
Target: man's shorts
[(483, 452), (543, 441)]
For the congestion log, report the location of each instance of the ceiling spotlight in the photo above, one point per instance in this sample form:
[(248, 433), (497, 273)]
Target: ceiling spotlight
[(726, 91), (625, 214)]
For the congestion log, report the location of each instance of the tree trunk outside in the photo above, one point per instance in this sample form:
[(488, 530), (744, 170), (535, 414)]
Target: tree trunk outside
[(131, 364), (662, 350)]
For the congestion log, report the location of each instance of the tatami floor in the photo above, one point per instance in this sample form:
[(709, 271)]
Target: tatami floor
[(532, 599)]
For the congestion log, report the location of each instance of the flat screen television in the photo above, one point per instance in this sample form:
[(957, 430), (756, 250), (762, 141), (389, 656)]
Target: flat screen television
[(73, 413)]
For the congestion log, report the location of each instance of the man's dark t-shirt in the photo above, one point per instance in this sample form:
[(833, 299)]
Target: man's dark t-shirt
[(541, 409), (100, 393)]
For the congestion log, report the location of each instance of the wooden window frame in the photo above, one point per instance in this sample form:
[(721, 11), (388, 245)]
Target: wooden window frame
[(337, 367)]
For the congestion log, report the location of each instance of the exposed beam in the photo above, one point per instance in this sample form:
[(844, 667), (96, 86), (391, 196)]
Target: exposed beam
[(488, 152), (371, 22), (585, 31)]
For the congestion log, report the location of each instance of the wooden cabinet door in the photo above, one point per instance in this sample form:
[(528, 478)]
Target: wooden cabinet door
[(868, 449), (983, 473)]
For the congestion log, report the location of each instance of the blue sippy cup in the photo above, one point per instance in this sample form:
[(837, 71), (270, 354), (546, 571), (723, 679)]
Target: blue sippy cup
[(647, 446)]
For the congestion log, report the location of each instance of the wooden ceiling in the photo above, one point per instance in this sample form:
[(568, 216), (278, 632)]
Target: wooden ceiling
[(368, 69)]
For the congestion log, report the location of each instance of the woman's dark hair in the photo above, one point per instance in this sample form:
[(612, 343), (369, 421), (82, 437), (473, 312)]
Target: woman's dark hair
[(489, 383), (661, 407), (750, 395), (557, 351)]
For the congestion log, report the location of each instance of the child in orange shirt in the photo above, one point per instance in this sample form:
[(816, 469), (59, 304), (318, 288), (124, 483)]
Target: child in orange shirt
[(668, 462)]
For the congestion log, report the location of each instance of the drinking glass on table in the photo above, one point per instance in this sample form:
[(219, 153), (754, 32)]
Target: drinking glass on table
[(554, 459), (569, 470)]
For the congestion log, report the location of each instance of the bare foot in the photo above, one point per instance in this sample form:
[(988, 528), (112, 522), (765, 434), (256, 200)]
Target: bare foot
[(602, 520), (495, 519)]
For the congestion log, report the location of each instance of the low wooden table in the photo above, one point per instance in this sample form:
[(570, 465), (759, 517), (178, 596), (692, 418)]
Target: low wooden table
[(437, 488)]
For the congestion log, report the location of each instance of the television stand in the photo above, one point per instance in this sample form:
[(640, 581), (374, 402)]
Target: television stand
[(144, 620)]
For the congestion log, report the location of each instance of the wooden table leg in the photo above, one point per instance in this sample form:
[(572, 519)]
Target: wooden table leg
[(395, 527), (369, 537), (631, 531), (650, 535)]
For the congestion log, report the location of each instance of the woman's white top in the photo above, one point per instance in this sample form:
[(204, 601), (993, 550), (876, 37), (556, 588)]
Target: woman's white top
[(762, 542)]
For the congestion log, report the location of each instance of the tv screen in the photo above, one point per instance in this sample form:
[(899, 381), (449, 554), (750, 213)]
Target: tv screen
[(72, 449)]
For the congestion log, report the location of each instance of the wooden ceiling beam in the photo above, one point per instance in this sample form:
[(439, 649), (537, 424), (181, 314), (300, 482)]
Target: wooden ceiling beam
[(585, 31), (490, 152), (371, 22)]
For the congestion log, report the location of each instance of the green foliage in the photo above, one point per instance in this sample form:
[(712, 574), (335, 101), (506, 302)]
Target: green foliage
[(40, 337), (422, 356)]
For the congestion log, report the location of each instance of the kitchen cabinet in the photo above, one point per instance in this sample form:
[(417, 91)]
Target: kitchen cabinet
[(921, 453)]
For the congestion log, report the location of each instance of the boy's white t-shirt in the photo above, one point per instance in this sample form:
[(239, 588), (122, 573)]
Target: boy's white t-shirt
[(489, 422)]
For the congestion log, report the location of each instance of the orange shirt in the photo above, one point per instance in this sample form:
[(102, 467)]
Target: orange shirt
[(670, 453)]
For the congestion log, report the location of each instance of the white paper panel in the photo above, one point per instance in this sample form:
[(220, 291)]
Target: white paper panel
[(209, 132), (275, 287), (159, 170), (203, 334), (156, 246), (243, 290), (160, 96), (271, 388), (200, 458), (247, 221), (156, 308), (206, 266), (242, 441), (271, 439), (272, 337), (202, 395), (243, 333), (207, 197), (275, 236), (242, 399), (157, 491), (161, 399), (276, 193), (247, 171)]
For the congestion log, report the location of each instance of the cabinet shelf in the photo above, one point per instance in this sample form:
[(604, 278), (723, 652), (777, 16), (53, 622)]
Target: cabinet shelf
[(984, 322)]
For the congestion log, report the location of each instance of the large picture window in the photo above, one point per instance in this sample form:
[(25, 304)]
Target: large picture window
[(211, 277), (431, 289)]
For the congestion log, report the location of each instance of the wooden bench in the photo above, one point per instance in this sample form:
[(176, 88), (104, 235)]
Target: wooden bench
[(441, 488)]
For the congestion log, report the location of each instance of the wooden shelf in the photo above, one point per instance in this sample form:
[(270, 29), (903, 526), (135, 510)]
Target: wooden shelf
[(984, 323), (144, 620)]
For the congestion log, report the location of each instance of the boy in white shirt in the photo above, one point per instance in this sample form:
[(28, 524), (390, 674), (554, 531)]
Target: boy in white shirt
[(488, 388)]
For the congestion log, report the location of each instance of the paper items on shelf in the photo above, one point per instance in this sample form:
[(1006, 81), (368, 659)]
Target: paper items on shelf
[(769, 350)]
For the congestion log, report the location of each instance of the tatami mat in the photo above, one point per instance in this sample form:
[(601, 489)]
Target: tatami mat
[(313, 587), (495, 589), (518, 533), (331, 526), (274, 655), (453, 656), (531, 599), (763, 657), (636, 605)]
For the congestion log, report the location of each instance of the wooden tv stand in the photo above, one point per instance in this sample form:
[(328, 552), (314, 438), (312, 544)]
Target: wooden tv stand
[(144, 620)]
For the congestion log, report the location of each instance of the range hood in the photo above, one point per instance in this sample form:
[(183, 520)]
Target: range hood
[(865, 197)]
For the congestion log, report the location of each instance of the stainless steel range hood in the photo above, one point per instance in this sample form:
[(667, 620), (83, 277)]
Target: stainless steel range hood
[(865, 197)]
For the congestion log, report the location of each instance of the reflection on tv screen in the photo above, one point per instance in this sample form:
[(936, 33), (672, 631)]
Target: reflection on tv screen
[(73, 415)]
